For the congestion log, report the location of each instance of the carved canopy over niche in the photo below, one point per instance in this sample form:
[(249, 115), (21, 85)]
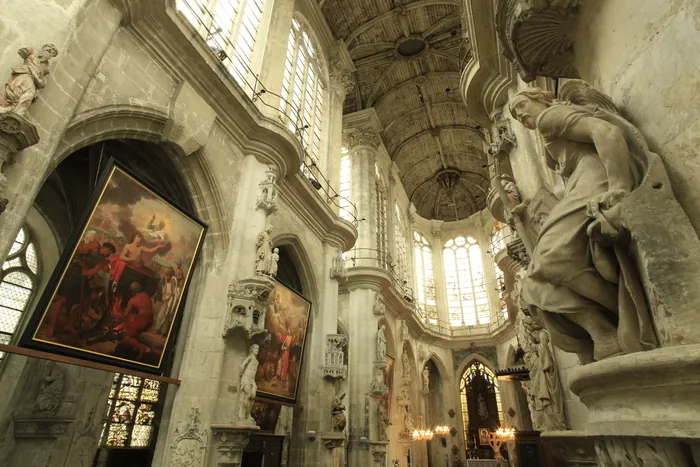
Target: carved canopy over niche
[(537, 36)]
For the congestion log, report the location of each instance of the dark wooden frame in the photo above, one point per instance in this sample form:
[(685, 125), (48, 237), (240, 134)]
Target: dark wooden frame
[(28, 339)]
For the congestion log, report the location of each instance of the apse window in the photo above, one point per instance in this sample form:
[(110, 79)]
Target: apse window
[(18, 280), (467, 301), (131, 412), (425, 281), (345, 187)]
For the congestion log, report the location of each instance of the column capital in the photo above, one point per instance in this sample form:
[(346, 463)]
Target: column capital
[(341, 81), (363, 137)]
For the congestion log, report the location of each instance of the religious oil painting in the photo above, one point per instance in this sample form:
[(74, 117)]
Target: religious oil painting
[(115, 295), (287, 320)]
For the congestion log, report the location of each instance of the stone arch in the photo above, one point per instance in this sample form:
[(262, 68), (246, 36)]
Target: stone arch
[(304, 266), (142, 123), (468, 361), (444, 373), (318, 45)]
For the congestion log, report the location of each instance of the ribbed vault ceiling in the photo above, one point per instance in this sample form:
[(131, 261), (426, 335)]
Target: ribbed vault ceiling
[(408, 56)]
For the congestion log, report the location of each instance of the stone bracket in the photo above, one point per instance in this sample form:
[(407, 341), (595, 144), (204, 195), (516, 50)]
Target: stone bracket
[(334, 366), (230, 441)]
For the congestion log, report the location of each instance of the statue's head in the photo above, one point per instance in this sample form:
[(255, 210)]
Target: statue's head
[(527, 105), (254, 349), (49, 50)]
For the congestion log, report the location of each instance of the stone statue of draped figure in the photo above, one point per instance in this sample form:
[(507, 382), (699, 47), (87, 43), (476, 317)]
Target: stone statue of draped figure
[(582, 283)]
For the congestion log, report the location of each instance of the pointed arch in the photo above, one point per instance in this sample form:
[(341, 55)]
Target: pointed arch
[(303, 263), (444, 373)]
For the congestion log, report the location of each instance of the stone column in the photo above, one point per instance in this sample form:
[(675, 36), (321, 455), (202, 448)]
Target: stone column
[(341, 83), (363, 144)]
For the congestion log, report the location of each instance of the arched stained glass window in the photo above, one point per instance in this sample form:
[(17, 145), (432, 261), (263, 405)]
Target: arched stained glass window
[(131, 412), (480, 397), (401, 244), (345, 190), (380, 216), (425, 283), (18, 279), (302, 92), (229, 27), (467, 301)]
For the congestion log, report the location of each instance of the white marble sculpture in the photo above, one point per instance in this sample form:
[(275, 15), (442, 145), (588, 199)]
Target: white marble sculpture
[(381, 344), (406, 363), (273, 262), (511, 191), (26, 79), (265, 262), (426, 380), (408, 420), (247, 387), (581, 279)]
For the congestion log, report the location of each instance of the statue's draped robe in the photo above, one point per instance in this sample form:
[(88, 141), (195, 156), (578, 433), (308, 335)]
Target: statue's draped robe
[(564, 251)]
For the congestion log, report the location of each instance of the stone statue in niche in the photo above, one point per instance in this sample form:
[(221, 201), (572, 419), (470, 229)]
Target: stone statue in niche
[(381, 344), (273, 263), (582, 284), (406, 364), (247, 387), (408, 420), (21, 90), (426, 380), (338, 413), (379, 307), (265, 262), (511, 190), (384, 422), (544, 393), (51, 392)]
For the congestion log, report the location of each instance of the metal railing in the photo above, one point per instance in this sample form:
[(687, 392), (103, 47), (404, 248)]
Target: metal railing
[(373, 258), (222, 48)]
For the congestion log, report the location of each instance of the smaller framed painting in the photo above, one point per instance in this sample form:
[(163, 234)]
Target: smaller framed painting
[(117, 290), (287, 321)]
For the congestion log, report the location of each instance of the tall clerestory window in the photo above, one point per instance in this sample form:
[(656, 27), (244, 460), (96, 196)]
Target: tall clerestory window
[(18, 280), (302, 93), (467, 301), (345, 190), (229, 27), (380, 216), (425, 283), (401, 244)]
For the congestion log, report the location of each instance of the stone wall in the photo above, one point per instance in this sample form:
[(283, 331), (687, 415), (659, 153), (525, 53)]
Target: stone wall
[(642, 54)]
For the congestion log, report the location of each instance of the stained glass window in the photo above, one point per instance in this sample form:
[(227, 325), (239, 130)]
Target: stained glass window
[(17, 281), (472, 372), (425, 283), (131, 412), (302, 93), (229, 27), (467, 301), (401, 252), (380, 217), (345, 184)]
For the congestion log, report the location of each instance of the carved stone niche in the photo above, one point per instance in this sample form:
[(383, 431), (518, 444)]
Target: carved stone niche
[(334, 365), (379, 307), (190, 444), (16, 133), (267, 199), (246, 306), (377, 387), (537, 36)]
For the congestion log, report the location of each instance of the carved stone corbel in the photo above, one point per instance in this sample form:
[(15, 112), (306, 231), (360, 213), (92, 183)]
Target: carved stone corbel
[(338, 270), (16, 133), (334, 366), (246, 306), (503, 138), (537, 36), (230, 441), (267, 199)]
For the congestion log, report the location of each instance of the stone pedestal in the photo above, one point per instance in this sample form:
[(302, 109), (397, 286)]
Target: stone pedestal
[(333, 441), (572, 447), (643, 407), (16, 133), (378, 450), (229, 442)]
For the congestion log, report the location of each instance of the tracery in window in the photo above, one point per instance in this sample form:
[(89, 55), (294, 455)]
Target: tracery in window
[(131, 412), (467, 301), (480, 396), (380, 215), (302, 92), (18, 279), (229, 27), (345, 185), (425, 283), (401, 252)]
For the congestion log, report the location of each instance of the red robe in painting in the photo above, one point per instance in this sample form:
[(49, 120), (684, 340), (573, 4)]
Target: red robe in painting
[(283, 363)]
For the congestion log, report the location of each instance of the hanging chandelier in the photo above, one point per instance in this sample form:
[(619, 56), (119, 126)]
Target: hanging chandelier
[(441, 430), (421, 433)]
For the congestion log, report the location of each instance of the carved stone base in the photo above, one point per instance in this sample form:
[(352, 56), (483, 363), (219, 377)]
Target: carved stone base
[(378, 450), (230, 441), (572, 447), (332, 440), (41, 427), (640, 452)]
